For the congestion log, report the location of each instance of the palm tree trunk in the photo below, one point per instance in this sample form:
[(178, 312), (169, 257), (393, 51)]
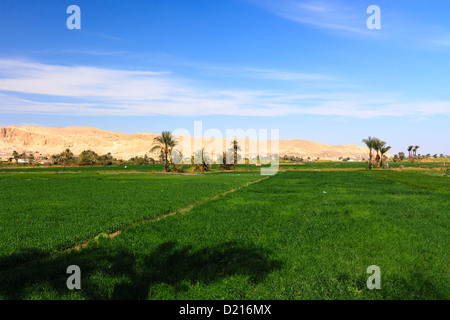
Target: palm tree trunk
[(165, 162)]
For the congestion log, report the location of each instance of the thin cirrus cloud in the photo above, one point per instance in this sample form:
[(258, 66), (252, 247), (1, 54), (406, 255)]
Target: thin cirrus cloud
[(349, 18), (31, 87), (262, 73), (335, 15), (84, 52), (440, 41)]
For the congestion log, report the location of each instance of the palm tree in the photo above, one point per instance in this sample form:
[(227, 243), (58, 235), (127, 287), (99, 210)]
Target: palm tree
[(377, 145), (30, 158), (225, 161), (15, 155), (165, 142), (161, 155), (56, 158), (236, 147), (415, 150), (380, 146), (383, 150), (410, 151), (200, 161), (177, 156), (66, 156), (370, 144)]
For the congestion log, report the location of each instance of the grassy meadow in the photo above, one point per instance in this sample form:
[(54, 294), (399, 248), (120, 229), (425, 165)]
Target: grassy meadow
[(301, 234), (51, 212)]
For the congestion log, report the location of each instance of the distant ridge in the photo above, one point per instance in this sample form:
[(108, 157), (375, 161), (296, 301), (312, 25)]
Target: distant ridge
[(53, 140)]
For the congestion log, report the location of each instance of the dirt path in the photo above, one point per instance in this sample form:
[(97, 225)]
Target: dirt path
[(179, 211), (112, 235)]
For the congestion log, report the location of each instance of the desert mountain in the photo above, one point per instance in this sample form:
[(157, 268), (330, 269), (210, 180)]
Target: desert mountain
[(47, 141)]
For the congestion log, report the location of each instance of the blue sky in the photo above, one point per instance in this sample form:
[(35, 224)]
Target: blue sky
[(311, 69)]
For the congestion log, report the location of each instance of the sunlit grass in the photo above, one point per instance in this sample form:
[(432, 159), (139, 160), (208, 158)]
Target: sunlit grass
[(297, 235)]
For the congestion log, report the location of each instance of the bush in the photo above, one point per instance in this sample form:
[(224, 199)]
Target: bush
[(223, 162), (88, 158), (204, 166), (446, 172), (171, 167)]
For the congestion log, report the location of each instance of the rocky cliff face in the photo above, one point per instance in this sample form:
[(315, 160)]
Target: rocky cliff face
[(52, 140)]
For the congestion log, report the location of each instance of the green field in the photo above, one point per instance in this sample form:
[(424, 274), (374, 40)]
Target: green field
[(12, 167), (300, 234), (51, 212)]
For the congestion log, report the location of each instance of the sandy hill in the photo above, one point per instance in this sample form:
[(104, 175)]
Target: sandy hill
[(53, 140)]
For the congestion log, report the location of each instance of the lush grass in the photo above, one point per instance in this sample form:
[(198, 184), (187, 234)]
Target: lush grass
[(416, 179), (54, 211), (356, 165), (282, 238), (113, 168), (283, 166)]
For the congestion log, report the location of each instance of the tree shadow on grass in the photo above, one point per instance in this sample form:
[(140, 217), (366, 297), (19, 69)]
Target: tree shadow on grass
[(23, 256), (115, 272)]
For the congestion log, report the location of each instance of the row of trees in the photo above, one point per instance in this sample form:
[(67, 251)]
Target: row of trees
[(292, 158), (300, 159), (379, 146), (165, 144), (86, 158), (375, 144), (142, 160), (401, 156), (412, 152), (22, 156)]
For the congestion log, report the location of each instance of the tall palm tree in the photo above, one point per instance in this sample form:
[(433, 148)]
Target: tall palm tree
[(200, 161), (370, 144), (410, 153), (236, 147), (16, 156), (383, 150), (165, 142), (377, 145), (225, 161), (415, 151)]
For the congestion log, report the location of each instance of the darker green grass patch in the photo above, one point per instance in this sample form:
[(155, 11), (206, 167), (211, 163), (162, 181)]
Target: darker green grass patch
[(162, 270), (415, 179)]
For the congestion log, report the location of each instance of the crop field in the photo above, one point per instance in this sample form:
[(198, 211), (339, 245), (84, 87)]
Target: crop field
[(50, 212), (113, 168), (158, 167), (300, 234)]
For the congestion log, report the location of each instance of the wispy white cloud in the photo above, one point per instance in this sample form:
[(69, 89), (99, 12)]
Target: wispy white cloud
[(335, 15), (85, 52), (270, 74), (349, 18), (440, 41), (30, 87), (101, 35)]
